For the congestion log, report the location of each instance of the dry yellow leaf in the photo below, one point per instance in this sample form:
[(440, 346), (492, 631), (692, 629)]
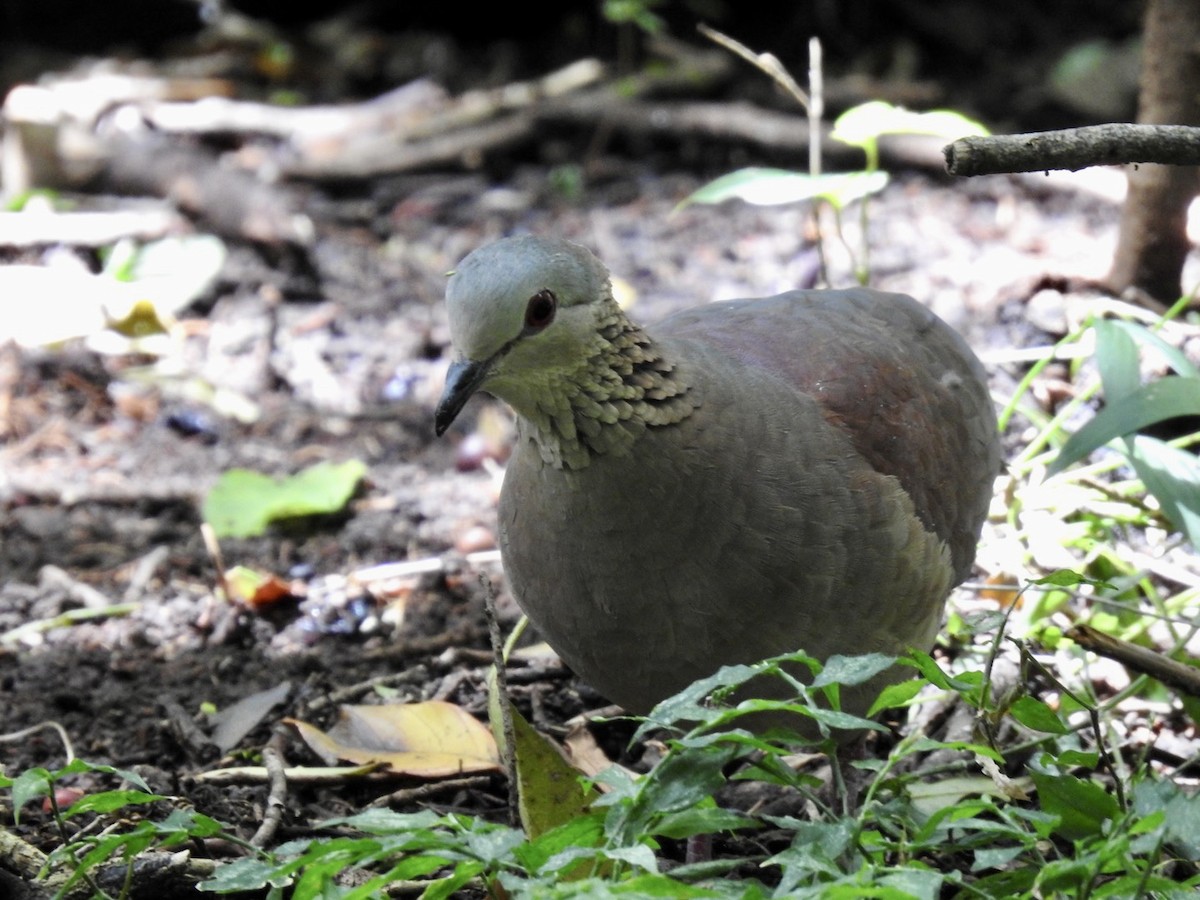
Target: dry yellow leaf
[(428, 740)]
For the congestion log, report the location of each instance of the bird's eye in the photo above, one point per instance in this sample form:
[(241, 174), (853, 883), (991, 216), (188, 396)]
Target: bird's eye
[(540, 310)]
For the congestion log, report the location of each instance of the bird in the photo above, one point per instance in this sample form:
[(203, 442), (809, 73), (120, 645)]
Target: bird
[(747, 478)]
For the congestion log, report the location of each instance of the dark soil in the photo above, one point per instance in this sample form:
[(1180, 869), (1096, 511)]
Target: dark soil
[(343, 349)]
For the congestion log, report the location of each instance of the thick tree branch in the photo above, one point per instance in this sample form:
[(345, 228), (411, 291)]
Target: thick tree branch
[(1074, 148)]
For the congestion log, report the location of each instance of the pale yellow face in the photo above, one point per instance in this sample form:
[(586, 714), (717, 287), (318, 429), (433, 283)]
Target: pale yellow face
[(523, 314)]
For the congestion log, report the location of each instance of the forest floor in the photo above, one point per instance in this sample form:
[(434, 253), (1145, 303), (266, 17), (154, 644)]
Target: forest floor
[(103, 473)]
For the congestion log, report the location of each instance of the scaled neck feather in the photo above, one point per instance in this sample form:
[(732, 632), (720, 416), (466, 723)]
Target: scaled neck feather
[(621, 388)]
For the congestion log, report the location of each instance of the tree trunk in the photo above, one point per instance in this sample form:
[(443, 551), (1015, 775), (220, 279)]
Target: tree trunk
[(1153, 241)]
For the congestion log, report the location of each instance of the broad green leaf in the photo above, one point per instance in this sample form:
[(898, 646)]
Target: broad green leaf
[(1173, 477), (1117, 359), (773, 187), (109, 801), (851, 670), (551, 792), (680, 781), (894, 695), (912, 881), (1087, 759), (928, 667), (709, 820), (815, 848), (1082, 806), (243, 503), (1182, 809), (690, 703), (1166, 398), (1033, 713), (242, 875), (581, 831), (995, 857), (863, 124), (1174, 357), (29, 785)]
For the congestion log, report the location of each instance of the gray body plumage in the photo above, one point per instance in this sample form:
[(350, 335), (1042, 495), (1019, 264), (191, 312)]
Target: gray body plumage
[(807, 471)]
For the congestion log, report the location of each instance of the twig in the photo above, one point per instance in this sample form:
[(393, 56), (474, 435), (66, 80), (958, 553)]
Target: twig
[(768, 63), (509, 744), (408, 796), (409, 567), (1174, 674), (1074, 148), (311, 775), (56, 578), (66, 619), (68, 750), (189, 735), (213, 546), (812, 102), (273, 759), (143, 571), (352, 691)]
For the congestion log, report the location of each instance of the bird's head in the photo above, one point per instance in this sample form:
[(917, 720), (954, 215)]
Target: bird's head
[(524, 315)]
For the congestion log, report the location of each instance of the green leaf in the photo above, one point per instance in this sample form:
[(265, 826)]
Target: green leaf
[(773, 187), (689, 705), (861, 125), (189, 823), (1081, 806), (386, 821), (550, 791), (1068, 578), (1117, 359), (1182, 813), (966, 684), (1087, 759), (680, 781), (242, 875), (29, 785), (922, 884), (929, 669), (243, 503), (995, 857), (582, 831), (1172, 475), (710, 820), (1166, 398), (895, 695), (76, 766), (109, 801), (815, 848), (1174, 357), (1033, 713), (636, 12), (851, 670)]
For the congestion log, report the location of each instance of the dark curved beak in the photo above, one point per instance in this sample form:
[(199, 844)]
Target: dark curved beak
[(463, 379)]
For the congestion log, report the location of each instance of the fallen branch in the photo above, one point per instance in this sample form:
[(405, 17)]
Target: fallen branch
[(1074, 148), (1177, 675)]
